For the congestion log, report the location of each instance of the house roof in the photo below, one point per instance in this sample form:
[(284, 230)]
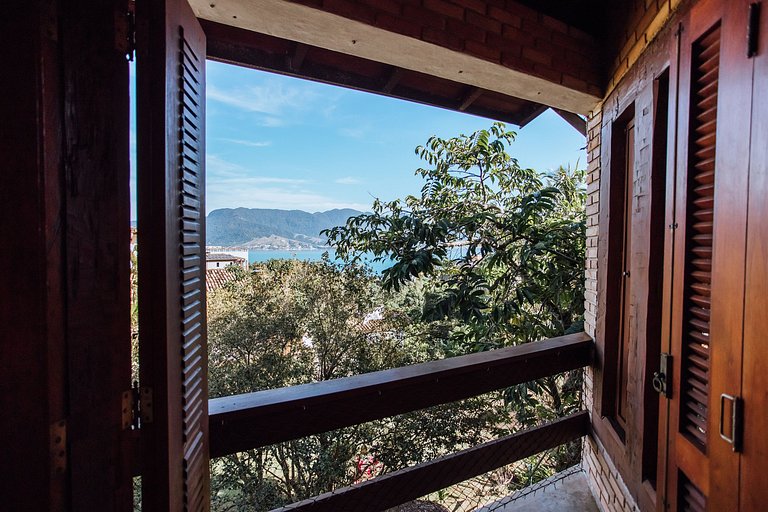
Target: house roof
[(216, 278), (222, 256)]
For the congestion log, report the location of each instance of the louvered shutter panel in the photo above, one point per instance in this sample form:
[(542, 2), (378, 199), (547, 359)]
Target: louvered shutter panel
[(700, 209), (173, 352), (192, 273), (691, 498)]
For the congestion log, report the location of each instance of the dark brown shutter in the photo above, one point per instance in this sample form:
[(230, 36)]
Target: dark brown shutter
[(173, 352), (701, 197), (691, 498), (192, 272)]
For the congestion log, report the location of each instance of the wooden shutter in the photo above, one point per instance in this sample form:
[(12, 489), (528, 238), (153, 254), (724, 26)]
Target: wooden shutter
[(172, 330), (701, 201), (691, 497)]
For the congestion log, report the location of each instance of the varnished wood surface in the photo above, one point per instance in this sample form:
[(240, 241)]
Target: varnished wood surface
[(258, 419), (32, 283), (729, 251), (411, 483), (96, 171), (174, 444), (754, 479)]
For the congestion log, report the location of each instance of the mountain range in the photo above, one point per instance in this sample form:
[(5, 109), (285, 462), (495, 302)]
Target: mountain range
[(259, 228)]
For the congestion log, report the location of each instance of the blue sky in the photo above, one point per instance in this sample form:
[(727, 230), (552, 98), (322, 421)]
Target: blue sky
[(278, 142)]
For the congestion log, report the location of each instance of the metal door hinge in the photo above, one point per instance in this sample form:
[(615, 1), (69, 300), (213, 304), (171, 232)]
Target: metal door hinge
[(58, 447), (137, 407), (125, 31), (753, 29), (662, 379)]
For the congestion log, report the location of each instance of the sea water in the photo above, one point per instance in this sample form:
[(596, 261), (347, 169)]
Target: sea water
[(260, 256)]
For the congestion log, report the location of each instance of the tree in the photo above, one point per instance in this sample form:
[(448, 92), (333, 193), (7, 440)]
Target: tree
[(293, 322), (502, 248)]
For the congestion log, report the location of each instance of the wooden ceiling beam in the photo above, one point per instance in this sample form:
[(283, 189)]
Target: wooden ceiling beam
[(470, 97), (392, 80), (575, 120), (534, 113), (297, 58)]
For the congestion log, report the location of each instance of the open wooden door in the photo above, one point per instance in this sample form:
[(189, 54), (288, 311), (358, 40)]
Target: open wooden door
[(705, 305), (171, 211)]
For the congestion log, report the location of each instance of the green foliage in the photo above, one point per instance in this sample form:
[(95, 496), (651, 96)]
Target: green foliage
[(501, 249), (292, 322), (489, 255)]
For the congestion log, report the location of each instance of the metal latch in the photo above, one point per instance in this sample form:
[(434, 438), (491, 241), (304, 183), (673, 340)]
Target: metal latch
[(662, 379), (753, 29)]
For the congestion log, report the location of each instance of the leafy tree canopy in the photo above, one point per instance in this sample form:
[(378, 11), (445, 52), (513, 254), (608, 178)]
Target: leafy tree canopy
[(503, 245)]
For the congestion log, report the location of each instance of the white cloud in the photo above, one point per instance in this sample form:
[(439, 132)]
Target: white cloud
[(275, 100), (253, 195), (249, 143), (224, 171), (348, 180)]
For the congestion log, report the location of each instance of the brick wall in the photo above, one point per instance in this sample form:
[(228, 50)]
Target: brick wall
[(644, 22), (499, 31), (603, 478)]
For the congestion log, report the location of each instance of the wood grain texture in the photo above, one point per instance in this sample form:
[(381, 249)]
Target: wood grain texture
[(411, 483), (171, 180), (252, 420), (754, 483), (33, 281), (97, 213), (729, 248)]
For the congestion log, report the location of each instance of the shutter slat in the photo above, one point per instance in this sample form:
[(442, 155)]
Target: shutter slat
[(698, 257), (192, 273), (690, 497)]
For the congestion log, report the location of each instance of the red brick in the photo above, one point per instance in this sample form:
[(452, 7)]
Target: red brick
[(482, 50), (465, 31), (515, 61), (537, 56), (505, 17), (503, 44), (399, 25), (390, 6), (446, 8), (554, 24), (423, 17), (484, 22), (547, 46), (519, 36), (522, 10), (475, 5), (442, 38), (348, 9), (547, 72), (574, 83)]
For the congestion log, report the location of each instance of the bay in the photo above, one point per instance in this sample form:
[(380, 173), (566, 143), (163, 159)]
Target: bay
[(260, 256)]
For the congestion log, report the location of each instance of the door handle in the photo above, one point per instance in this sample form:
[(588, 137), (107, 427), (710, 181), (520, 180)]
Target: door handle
[(734, 439)]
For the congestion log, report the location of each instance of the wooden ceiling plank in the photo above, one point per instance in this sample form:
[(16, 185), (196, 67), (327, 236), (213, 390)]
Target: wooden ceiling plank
[(575, 120), (297, 58), (470, 97), (394, 78)]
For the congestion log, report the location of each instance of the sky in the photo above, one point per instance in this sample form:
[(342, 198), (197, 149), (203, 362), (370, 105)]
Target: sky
[(286, 143)]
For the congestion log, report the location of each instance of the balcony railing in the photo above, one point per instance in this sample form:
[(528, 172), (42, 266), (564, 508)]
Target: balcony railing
[(254, 420)]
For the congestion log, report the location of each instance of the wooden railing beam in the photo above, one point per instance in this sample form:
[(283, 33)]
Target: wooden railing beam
[(263, 418), (417, 481)]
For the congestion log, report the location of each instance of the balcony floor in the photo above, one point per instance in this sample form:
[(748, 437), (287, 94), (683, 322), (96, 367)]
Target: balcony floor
[(564, 492)]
